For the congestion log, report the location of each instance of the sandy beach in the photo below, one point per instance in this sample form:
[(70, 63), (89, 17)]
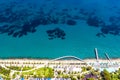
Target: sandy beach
[(103, 60), (44, 60), (23, 62)]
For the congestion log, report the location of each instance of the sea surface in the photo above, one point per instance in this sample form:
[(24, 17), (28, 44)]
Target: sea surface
[(54, 28)]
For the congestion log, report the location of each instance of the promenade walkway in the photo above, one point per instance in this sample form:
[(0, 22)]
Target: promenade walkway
[(45, 64), (63, 59)]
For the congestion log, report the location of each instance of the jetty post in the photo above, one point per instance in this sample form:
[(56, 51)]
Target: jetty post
[(96, 54)]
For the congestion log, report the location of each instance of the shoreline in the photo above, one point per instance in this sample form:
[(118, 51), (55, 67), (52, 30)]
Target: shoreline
[(59, 60), (49, 60), (35, 63), (54, 58)]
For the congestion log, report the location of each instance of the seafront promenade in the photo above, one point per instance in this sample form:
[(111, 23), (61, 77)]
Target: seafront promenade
[(51, 63), (67, 64), (43, 62)]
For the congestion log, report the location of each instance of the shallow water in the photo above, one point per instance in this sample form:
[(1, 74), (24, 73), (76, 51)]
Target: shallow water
[(53, 28)]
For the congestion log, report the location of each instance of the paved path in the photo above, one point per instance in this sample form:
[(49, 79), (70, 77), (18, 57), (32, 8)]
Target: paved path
[(13, 71)]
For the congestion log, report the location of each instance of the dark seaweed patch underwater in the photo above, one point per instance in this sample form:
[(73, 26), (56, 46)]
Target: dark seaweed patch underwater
[(18, 18), (53, 28)]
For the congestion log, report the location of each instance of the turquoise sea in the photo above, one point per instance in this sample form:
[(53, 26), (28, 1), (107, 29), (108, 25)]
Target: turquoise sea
[(54, 28)]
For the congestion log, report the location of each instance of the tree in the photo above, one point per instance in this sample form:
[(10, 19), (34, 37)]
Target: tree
[(106, 75), (83, 69), (78, 77), (89, 68), (90, 79), (35, 76), (73, 78)]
